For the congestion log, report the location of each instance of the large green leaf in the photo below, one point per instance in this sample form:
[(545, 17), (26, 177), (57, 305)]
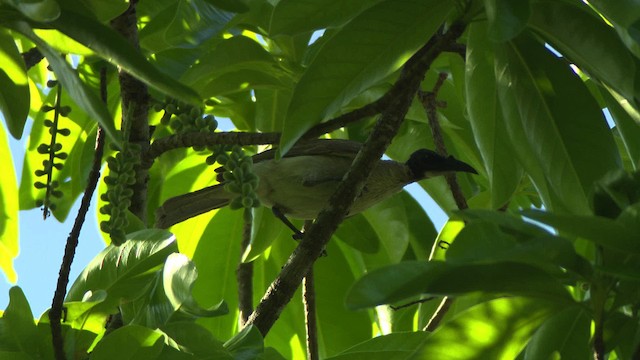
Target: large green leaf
[(17, 328), (125, 272), (487, 119), (587, 41), (498, 329), (8, 210), (603, 231), (179, 276), (293, 16), (507, 18), (565, 128), (483, 242), (84, 97), (408, 279), (627, 120), (235, 64), (397, 346), (624, 14), (565, 333), (182, 25), (38, 10), (354, 59), (115, 49), (14, 97), (338, 327), (130, 342)]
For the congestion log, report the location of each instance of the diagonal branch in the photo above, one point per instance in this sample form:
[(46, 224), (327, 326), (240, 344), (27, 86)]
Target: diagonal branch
[(297, 266)]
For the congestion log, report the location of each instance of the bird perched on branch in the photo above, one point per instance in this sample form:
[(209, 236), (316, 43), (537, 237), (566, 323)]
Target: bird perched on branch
[(300, 184)]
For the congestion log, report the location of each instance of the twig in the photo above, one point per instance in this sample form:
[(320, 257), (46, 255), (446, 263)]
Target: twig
[(177, 141), (135, 108), (310, 248), (72, 241), (309, 301), (244, 273), (429, 102), (411, 303)]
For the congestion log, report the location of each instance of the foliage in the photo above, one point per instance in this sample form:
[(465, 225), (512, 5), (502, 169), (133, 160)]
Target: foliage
[(538, 95)]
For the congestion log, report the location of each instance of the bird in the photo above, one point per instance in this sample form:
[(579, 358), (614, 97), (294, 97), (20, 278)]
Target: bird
[(299, 184)]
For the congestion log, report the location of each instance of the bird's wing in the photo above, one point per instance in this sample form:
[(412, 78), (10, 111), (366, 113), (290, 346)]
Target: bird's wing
[(330, 147)]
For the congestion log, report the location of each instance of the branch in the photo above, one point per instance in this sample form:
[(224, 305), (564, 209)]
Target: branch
[(72, 241), (135, 108), (309, 302), (430, 103), (297, 266), (178, 141), (244, 273)]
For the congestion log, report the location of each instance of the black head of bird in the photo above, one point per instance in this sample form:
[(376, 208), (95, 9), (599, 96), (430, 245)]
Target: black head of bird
[(425, 163)]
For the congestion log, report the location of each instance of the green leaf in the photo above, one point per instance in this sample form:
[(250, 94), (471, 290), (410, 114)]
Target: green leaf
[(294, 17), (182, 25), (247, 344), (113, 48), (103, 10), (17, 328), (484, 242), (603, 231), (589, 42), (358, 233), (565, 334), (408, 279), (37, 10), (79, 91), (507, 18), (14, 98), (9, 241), (230, 5), (565, 128), (486, 118), (129, 342), (624, 14), (400, 345), (194, 339), (179, 276), (353, 60), (338, 327), (235, 64), (627, 120), (125, 272), (497, 329)]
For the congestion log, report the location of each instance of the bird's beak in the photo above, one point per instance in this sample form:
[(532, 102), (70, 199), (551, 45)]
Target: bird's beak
[(453, 164)]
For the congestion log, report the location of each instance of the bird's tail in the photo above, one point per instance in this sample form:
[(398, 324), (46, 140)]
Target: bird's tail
[(183, 207)]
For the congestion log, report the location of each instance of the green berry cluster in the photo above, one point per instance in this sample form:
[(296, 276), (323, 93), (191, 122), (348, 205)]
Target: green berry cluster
[(239, 178), (53, 152), (185, 118), (121, 176)]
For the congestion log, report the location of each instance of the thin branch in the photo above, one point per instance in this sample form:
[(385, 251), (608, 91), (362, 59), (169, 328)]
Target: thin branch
[(72, 241), (135, 108), (309, 302), (244, 273), (430, 104), (310, 248), (411, 303), (178, 141)]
